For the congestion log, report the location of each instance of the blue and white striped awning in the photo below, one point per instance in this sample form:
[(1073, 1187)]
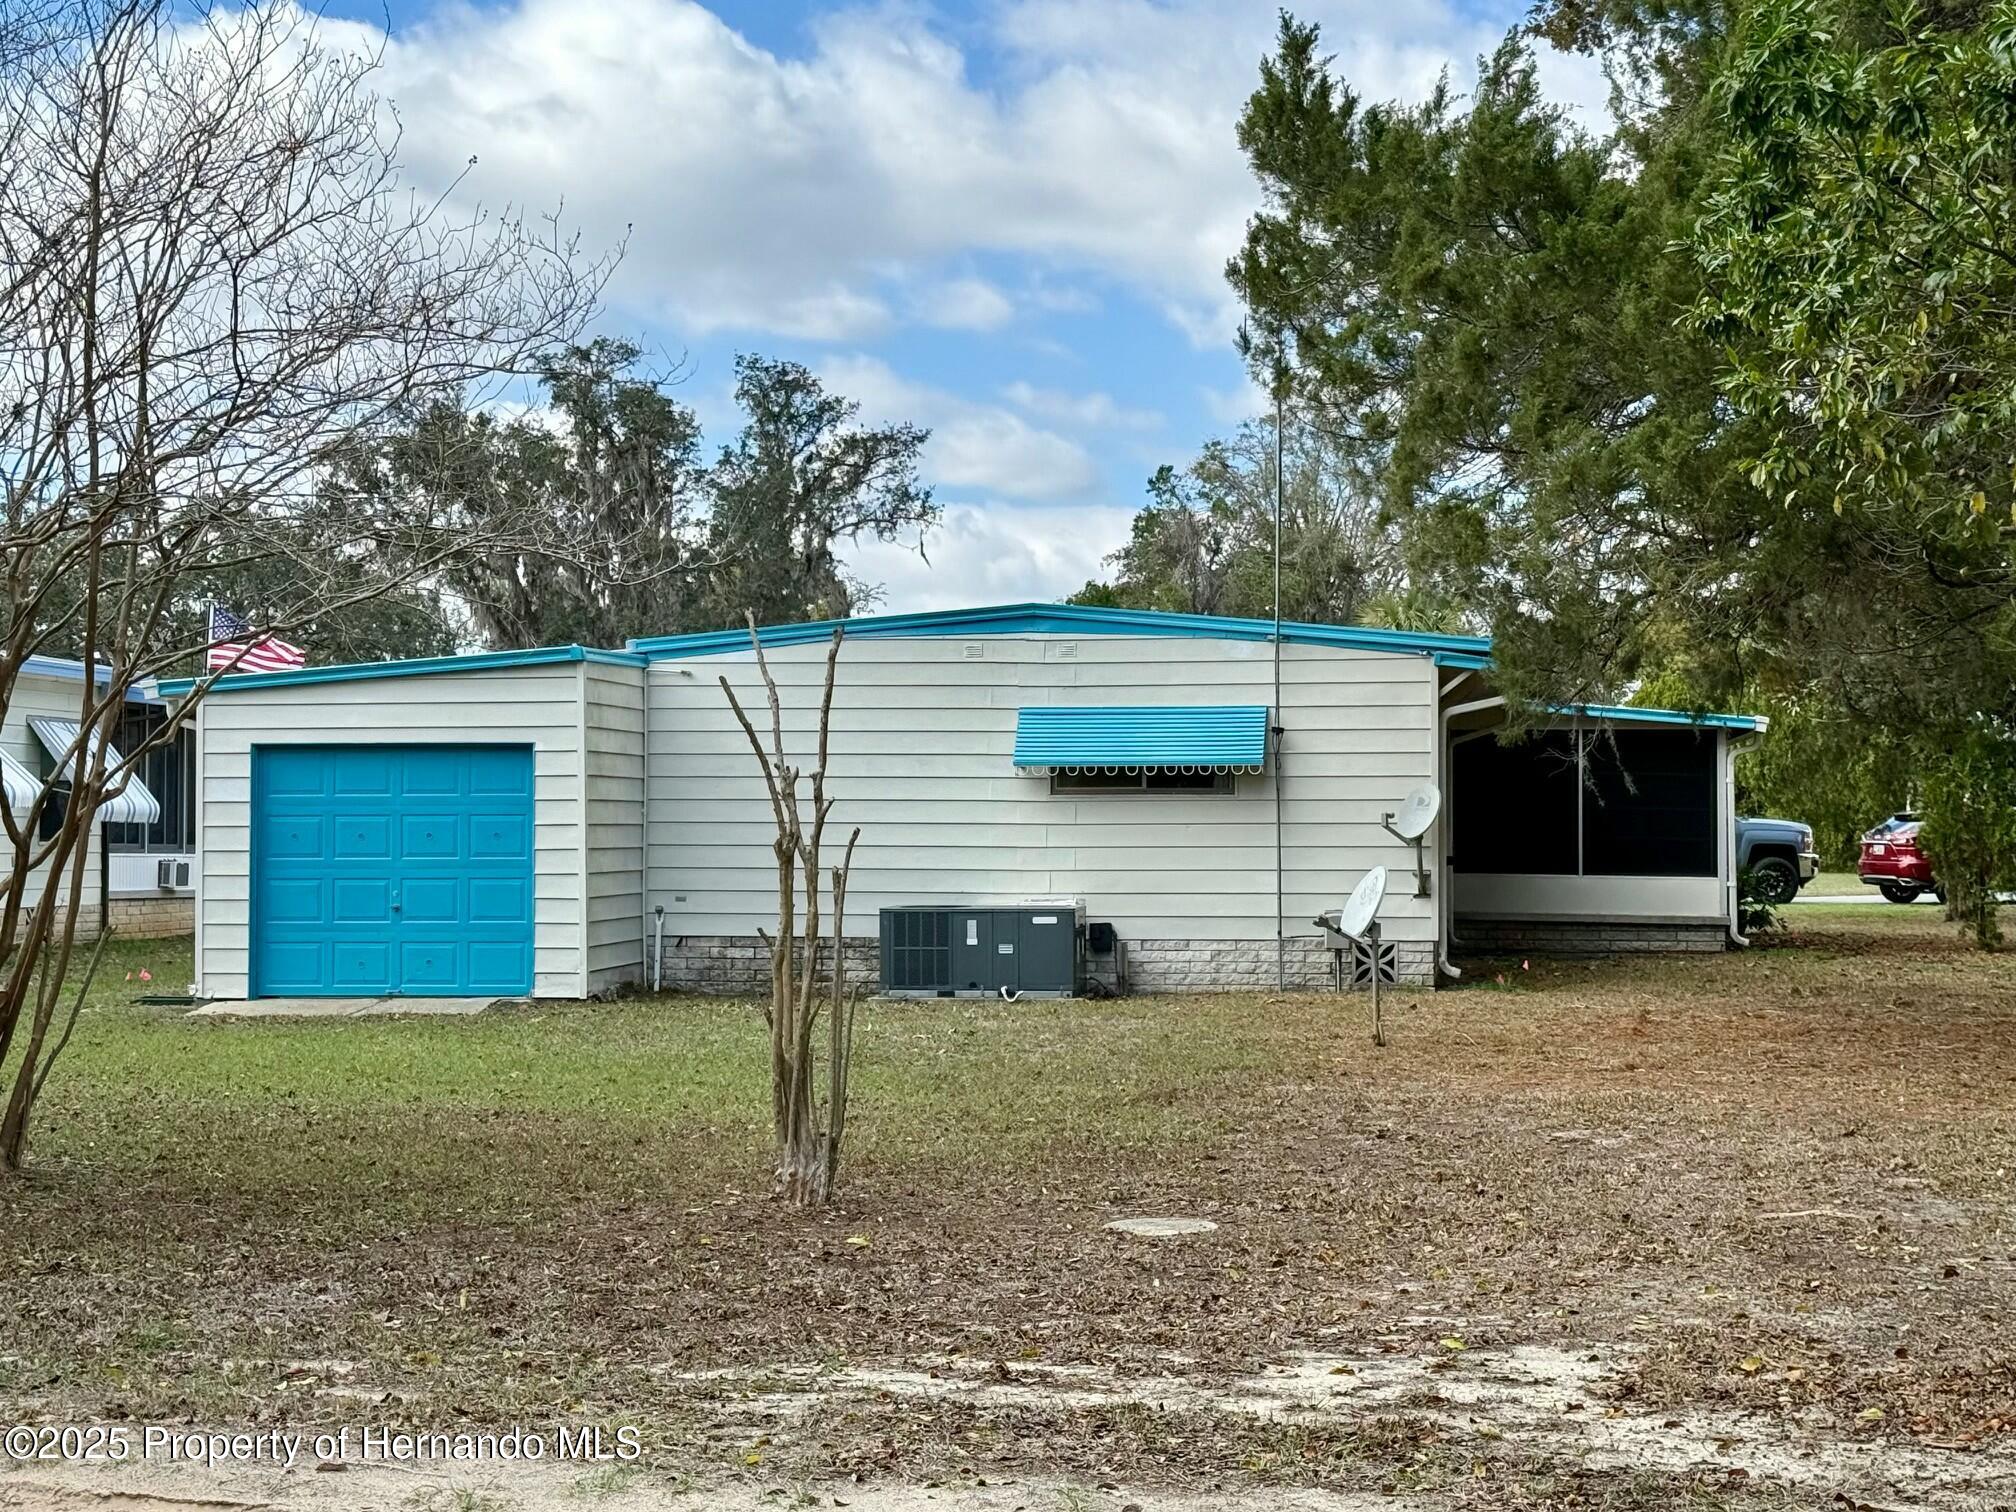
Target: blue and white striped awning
[(1184, 738), (22, 786), (136, 805)]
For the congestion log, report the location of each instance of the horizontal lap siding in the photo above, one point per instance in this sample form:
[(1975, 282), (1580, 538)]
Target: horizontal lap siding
[(536, 706), (613, 743), (922, 738)]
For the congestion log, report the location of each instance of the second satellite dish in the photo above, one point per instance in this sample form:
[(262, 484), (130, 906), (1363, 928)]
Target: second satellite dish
[(1418, 811), (1362, 907)]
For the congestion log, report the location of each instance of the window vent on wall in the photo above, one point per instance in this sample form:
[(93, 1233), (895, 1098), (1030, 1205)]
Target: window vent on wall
[(1064, 650), (974, 651)]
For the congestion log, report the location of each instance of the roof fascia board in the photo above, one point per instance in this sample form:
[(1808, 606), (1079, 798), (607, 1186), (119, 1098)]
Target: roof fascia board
[(1060, 619), (428, 666)]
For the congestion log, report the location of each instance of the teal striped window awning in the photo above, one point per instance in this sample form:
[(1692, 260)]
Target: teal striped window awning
[(1184, 738)]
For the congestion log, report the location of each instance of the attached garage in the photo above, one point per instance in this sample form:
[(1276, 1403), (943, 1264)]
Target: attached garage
[(460, 826)]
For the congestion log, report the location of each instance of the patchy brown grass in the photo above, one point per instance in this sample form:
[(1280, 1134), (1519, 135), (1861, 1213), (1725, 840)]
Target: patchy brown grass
[(1775, 1183)]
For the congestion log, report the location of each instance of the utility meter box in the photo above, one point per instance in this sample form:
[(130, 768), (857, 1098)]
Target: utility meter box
[(984, 949)]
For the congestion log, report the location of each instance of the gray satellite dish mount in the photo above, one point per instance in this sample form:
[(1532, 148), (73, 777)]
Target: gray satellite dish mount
[(1411, 823), (1358, 921)]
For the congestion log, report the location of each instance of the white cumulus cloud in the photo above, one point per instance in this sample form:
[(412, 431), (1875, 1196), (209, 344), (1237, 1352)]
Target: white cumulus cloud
[(973, 445), (995, 553), (818, 196)]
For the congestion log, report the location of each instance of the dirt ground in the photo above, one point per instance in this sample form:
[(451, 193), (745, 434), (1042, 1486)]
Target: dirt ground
[(1725, 1232)]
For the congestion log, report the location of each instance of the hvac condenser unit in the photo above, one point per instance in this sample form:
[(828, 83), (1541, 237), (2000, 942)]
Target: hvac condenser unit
[(984, 949)]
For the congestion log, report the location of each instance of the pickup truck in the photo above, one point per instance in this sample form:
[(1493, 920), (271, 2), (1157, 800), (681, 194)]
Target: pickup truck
[(1779, 855)]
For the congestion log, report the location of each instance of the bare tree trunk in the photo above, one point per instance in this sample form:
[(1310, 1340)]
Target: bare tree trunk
[(807, 1154)]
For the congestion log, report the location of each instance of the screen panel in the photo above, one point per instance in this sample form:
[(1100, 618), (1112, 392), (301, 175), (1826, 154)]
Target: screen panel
[(1648, 804), (1513, 806)]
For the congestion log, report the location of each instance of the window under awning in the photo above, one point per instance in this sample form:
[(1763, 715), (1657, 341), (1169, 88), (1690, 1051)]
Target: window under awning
[(136, 805), (1184, 738)]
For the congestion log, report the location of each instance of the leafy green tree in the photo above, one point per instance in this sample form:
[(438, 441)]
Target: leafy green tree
[(613, 466), (802, 479), (1859, 248), (1483, 303), (1970, 824), (1204, 543), (658, 543)]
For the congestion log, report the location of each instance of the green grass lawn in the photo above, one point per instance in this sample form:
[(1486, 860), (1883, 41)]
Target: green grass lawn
[(559, 1212)]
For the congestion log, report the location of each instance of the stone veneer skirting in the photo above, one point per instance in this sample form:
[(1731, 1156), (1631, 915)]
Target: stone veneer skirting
[(153, 918), (1585, 937), (734, 965)]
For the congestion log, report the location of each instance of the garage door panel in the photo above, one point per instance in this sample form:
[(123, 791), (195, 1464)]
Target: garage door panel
[(360, 900), (435, 836), (295, 900), (361, 773), (499, 900), (392, 869), (288, 772), (297, 839), (500, 837), (362, 837), (293, 966), (432, 900), (435, 773), (429, 965), (499, 967), (496, 773), (360, 966)]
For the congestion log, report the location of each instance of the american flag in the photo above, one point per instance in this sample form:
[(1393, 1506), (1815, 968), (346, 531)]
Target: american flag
[(264, 655)]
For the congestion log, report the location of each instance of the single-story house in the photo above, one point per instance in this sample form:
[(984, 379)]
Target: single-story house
[(140, 862), (543, 822)]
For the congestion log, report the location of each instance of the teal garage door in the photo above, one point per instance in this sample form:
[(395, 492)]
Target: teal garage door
[(391, 869)]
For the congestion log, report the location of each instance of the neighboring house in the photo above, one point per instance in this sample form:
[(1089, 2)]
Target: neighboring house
[(152, 821), (513, 822)]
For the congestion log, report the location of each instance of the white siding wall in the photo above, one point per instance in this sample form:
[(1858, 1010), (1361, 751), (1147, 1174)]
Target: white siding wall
[(613, 755), (923, 734), (63, 698), (536, 706)]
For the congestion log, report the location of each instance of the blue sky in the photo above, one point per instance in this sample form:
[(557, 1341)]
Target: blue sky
[(1002, 219)]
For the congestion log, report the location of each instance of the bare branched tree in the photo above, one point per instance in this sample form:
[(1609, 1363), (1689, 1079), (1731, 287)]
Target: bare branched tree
[(808, 1157), (211, 277)]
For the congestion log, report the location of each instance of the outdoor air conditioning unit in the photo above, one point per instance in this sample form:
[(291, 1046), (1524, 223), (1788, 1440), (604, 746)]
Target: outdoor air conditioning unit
[(1033, 949), (171, 873)]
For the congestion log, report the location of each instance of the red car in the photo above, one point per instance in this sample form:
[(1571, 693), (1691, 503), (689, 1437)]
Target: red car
[(1892, 861)]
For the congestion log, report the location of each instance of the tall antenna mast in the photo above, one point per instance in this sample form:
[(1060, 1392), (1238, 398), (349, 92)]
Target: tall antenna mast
[(1280, 910)]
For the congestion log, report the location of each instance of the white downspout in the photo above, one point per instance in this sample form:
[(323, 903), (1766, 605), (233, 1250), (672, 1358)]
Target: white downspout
[(1444, 903), (1728, 828)]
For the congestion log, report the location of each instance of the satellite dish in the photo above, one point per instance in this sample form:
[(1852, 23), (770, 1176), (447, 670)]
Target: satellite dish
[(1418, 811), (1359, 910)]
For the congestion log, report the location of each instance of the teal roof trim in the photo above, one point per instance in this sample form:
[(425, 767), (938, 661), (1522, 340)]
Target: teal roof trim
[(73, 671), (1062, 619), (1189, 735), (424, 666), (1630, 714)]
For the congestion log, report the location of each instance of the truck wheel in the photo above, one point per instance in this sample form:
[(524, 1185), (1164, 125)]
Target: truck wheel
[(1899, 892), (1775, 880)]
